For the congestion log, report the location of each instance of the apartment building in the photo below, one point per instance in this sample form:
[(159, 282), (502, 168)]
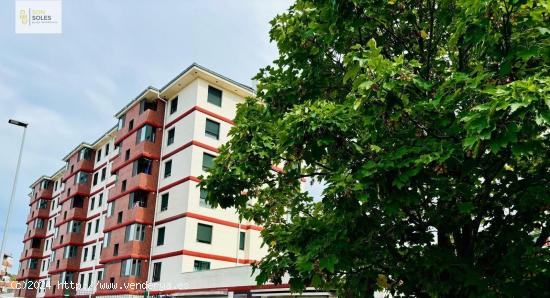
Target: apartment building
[(127, 208)]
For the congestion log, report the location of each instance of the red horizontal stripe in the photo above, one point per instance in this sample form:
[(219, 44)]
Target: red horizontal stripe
[(180, 181), (129, 161), (29, 238), (229, 289), (85, 194), (212, 114), (123, 224), (202, 255), (202, 110), (211, 220), (136, 129), (118, 258), (74, 173), (128, 191), (77, 218), (38, 216)]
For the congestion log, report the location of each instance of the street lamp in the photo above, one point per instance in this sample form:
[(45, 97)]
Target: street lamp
[(24, 125)]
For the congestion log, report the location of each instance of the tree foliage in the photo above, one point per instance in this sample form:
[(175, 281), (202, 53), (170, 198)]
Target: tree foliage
[(428, 123)]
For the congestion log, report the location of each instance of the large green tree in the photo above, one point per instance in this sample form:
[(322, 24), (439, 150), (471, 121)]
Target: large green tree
[(428, 123)]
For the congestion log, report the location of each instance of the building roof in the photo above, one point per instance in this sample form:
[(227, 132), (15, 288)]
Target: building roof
[(198, 66)]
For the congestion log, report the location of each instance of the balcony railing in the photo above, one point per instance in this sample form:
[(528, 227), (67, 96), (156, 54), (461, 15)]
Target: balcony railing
[(85, 165), (145, 149), (140, 181), (38, 213), (151, 117)]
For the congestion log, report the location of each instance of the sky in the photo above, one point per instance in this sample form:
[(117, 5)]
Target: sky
[(68, 86)]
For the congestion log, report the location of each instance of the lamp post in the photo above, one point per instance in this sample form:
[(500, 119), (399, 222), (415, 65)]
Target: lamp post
[(24, 125)]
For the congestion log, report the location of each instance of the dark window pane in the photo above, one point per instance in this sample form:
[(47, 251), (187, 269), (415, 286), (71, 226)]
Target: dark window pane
[(214, 96)]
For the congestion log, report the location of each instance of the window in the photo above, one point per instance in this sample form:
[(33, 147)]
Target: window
[(106, 239), (201, 265), (212, 129), (119, 218), (89, 229), (167, 169), (131, 125), (135, 232), (145, 105), (97, 226), (130, 267), (174, 105), (85, 154), (121, 122), (103, 174), (98, 154), (127, 154), (81, 178), (70, 251), (94, 183), (171, 135), (115, 249), (138, 199), (242, 239), (89, 279), (81, 280), (207, 161), (107, 149), (74, 226), (214, 96), (39, 223), (45, 184), (204, 233), (156, 271), (93, 252), (85, 255), (142, 165), (92, 203), (42, 204), (146, 133), (160, 237), (110, 208), (99, 275), (77, 202), (36, 242), (33, 263), (164, 202), (202, 201), (100, 201), (123, 186)]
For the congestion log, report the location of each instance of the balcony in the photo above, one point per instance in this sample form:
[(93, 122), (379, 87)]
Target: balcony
[(151, 117), (36, 233), (80, 189), (43, 213), (45, 193), (32, 253), (140, 181), (72, 264), (30, 273), (145, 149), (137, 214), (71, 214), (72, 238), (26, 292), (85, 165)]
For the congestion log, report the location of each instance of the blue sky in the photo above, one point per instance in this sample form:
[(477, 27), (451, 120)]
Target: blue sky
[(68, 86)]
